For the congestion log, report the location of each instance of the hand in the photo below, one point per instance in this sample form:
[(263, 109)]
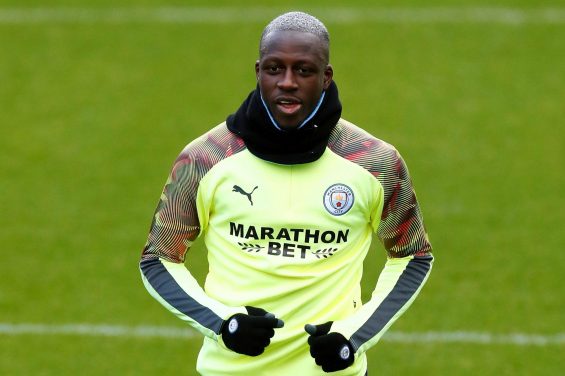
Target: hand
[(250, 334), (331, 351)]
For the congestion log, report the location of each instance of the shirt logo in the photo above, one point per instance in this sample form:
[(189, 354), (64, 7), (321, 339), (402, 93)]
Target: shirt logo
[(237, 188), (338, 199)]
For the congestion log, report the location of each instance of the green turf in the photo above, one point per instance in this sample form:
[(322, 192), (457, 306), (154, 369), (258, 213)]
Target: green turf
[(92, 116)]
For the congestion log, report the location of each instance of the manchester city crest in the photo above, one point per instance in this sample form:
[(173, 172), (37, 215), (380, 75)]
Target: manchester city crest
[(338, 199)]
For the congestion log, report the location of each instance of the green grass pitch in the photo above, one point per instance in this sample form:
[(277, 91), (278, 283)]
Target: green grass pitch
[(92, 114)]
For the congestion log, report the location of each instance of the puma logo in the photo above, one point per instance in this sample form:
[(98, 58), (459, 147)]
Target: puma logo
[(237, 188)]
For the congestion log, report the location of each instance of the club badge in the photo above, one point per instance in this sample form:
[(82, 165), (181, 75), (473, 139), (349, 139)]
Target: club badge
[(338, 199)]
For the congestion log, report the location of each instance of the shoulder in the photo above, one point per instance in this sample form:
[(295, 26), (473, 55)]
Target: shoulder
[(360, 147), (211, 147), (203, 153)]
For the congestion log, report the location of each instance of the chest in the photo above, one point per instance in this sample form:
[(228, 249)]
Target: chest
[(330, 193)]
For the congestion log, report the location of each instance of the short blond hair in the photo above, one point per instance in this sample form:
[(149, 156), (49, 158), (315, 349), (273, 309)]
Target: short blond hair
[(301, 22)]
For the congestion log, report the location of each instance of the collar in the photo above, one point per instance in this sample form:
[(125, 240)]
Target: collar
[(263, 138)]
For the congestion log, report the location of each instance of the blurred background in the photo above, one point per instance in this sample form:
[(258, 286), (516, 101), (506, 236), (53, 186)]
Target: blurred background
[(97, 98)]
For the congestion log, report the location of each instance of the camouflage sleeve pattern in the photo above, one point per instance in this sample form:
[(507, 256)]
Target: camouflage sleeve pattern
[(175, 224), (401, 228)]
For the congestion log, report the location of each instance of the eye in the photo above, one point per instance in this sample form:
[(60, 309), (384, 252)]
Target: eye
[(304, 71), (273, 69)]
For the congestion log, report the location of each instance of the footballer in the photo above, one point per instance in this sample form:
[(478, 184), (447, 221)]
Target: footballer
[(287, 196)]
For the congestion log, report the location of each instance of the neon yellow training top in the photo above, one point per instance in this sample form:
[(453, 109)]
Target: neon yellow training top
[(290, 239)]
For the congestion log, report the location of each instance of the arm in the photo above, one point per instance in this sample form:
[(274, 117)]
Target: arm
[(177, 222), (175, 226), (400, 228)]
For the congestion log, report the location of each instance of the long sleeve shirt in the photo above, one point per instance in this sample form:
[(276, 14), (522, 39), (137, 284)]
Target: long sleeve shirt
[(290, 239)]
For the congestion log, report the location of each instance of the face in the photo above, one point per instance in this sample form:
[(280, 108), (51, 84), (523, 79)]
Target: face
[(292, 73)]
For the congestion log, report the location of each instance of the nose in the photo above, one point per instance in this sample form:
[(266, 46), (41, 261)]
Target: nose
[(287, 81)]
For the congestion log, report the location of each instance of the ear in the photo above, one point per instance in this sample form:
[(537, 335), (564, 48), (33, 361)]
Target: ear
[(257, 70), (328, 76)]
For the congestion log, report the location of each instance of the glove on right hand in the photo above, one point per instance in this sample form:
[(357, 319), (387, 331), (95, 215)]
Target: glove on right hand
[(250, 334)]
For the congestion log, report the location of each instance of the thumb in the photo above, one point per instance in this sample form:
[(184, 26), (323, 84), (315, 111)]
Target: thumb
[(254, 311), (273, 320), (318, 330), (310, 329), (279, 323)]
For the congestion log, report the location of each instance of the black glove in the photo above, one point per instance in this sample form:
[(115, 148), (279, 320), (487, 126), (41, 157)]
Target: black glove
[(331, 351), (250, 334)]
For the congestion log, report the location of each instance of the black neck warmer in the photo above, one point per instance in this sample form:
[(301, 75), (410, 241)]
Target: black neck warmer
[(251, 122)]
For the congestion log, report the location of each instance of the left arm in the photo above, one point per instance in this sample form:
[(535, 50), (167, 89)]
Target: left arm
[(401, 229)]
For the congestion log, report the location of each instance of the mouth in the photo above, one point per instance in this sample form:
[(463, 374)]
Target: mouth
[(288, 106)]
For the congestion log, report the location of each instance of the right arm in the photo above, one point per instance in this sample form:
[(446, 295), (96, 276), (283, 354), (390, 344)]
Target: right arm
[(174, 227)]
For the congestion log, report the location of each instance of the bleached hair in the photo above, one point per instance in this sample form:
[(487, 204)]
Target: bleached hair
[(297, 21)]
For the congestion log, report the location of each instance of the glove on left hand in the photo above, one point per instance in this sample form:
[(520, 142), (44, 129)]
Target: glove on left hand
[(331, 351)]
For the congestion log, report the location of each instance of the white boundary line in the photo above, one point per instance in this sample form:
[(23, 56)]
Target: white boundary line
[(145, 331), (481, 338), (240, 15), (98, 330)]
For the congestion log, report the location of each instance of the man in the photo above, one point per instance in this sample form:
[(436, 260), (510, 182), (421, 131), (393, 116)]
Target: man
[(287, 196)]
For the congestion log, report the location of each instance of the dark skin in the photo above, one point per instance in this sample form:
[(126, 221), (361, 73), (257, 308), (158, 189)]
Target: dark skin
[(292, 72)]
